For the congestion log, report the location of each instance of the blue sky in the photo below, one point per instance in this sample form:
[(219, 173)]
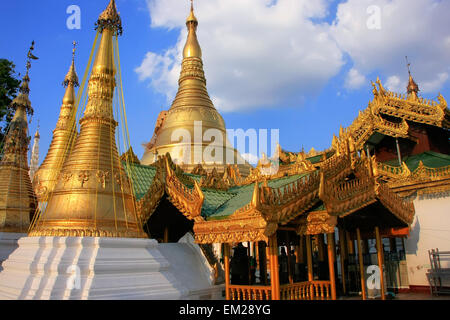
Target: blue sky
[(305, 75)]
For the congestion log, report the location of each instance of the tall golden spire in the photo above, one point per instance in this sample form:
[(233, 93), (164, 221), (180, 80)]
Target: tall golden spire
[(192, 105), (63, 137), (412, 89), (93, 196), (17, 200)]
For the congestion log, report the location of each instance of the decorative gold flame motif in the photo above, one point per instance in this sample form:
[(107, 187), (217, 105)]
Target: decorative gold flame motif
[(93, 195), (17, 200), (192, 104)]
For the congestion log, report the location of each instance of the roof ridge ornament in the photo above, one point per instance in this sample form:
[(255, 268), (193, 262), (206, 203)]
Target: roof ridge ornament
[(412, 88)]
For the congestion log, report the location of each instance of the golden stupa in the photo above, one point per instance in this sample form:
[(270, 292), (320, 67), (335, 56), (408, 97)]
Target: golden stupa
[(17, 199), (93, 196), (175, 129), (63, 137)]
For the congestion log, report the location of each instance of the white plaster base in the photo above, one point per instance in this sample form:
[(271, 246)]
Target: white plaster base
[(95, 268), (8, 243)]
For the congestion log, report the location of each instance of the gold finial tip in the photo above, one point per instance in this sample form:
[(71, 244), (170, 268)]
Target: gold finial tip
[(192, 17), (71, 76), (110, 19)]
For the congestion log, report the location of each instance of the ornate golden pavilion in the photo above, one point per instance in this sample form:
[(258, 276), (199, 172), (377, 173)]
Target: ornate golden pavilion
[(322, 206)]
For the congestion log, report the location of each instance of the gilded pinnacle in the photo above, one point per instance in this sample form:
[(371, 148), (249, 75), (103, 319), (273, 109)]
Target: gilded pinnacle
[(192, 47), (110, 19), (72, 77)]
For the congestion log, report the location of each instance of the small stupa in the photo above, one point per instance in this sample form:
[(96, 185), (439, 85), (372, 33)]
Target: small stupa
[(17, 199)]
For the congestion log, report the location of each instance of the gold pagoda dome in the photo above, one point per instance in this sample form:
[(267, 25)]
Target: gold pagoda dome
[(63, 137), (93, 196), (17, 199), (191, 110)]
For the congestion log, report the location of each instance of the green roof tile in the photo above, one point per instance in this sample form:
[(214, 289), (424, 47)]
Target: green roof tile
[(430, 159), (243, 196), (142, 178)]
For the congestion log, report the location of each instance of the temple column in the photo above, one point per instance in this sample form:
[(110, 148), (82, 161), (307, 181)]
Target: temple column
[(361, 264), (275, 281), (309, 258), (380, 255), (331, 247), (343, 256), (226, 260)]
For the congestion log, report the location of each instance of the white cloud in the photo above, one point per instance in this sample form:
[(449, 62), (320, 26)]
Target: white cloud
[(270, 53), (417, 29), (393, 83), (250, 158), (355, 79), (256, 53)]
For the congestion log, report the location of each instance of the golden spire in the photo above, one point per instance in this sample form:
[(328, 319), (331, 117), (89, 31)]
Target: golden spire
[(63, 137), (192, 105), (412, 89), (17, 200), (192, 47), (93, 196)]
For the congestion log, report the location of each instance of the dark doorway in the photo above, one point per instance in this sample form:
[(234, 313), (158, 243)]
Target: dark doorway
[(167, 222)]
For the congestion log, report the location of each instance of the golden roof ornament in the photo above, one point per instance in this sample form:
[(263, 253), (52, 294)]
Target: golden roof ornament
[(93, 196), (63, 138), (412, 89), (17, 199)]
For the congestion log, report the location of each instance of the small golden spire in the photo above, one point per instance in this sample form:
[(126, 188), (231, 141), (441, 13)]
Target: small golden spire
[(72, 77), (46, 176), (412, 88), (17, 199)]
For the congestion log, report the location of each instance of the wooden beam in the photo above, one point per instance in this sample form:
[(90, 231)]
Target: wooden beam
[(361, 264), (380, 255), (331, 249), (226, 258)]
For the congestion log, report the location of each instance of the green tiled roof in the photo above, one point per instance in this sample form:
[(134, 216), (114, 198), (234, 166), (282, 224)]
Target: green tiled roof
[(218, 204), (243, 196), (142, 178), (430, 159)]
